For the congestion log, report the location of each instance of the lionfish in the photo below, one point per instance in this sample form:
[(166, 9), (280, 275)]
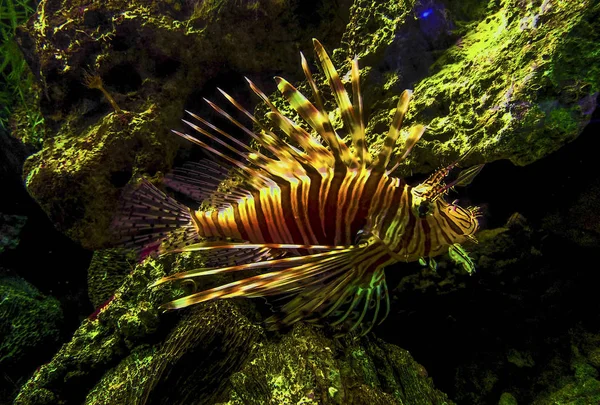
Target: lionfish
[(324, 218)]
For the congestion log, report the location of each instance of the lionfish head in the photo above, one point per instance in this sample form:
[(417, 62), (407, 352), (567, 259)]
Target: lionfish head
[(428, 202)]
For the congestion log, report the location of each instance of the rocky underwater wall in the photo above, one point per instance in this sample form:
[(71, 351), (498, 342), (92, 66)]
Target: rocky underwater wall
[(512, 81)]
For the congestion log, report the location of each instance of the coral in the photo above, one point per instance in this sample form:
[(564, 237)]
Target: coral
[(92, 81)]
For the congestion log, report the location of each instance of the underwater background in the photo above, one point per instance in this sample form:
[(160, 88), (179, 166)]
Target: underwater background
[(516, 82)]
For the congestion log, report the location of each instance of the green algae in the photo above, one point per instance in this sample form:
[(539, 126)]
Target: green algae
[(578, 63), (100, 342), (507, 399), (117, 389), (30, 330), (29, 321), (500, 70), (506, 90), (306, 367), (152, 58), (90, 165), (189, 356), (106, 273)]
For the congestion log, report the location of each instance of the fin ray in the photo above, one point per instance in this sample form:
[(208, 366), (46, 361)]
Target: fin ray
[(389, 142), (147, 217), (271, 283)]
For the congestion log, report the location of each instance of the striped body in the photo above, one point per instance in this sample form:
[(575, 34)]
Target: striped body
[(322, 218), (326, 209), (331, 209)]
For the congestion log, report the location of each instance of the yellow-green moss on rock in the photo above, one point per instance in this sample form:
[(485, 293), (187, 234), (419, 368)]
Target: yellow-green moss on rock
[(152, 57), (217, 352), (306, 367), (508, 88)]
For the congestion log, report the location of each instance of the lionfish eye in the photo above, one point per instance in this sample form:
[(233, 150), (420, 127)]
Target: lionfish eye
[(361, 235), (423, 208)]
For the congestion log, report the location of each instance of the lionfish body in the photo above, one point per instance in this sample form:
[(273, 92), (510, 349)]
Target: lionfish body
[(323, 218)]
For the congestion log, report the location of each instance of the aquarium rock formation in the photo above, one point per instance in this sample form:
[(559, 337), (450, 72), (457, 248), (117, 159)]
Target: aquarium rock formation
[(504, 79)]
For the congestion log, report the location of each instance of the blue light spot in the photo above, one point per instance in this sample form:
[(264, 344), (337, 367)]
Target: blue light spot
[(426, 13)]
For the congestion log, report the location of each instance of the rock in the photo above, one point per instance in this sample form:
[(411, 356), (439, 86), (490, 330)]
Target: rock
[(582, 384), (506, 90), (306, 367), (10, 230), (516, 85), (214, 353), (153, 58), (29, 330), (507, 399), (99, 343), (579, 223), (191, 364), (30, 322), (106, 273)]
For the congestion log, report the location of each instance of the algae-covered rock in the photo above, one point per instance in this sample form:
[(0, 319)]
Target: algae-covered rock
[(29, 321), (507, 399), (106, 273), (126, 333), (30, 331), (215, 352), (581, 385), (99, 343), (581, 392), (580, 222), (75, 177), (513, 80), (142, 62), (306, 367), (191, 364)]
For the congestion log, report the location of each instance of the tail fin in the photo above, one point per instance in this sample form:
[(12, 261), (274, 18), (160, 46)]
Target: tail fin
[(150, 221)]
